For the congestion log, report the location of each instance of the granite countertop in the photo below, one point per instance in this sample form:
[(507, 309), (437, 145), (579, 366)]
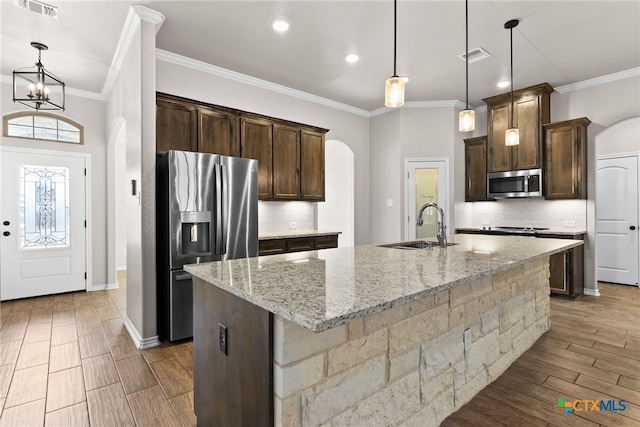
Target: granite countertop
[(295, 233), (320, 290), (559, 232)]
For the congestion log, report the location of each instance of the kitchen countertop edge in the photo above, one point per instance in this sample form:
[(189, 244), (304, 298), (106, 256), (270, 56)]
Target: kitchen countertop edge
[(208, 274)]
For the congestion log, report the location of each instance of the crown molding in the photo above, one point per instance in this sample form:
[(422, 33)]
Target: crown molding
[(194, 64), (633, 72), (154, 17), (447, 103)]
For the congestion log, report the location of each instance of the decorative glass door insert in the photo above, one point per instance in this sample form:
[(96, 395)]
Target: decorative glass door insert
[(44, 207)]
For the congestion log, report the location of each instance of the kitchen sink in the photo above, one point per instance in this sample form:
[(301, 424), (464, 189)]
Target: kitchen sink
[(415, 244)]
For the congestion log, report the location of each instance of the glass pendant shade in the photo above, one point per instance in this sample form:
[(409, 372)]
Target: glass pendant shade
[(466, 121), (512, 137), (394, 91)]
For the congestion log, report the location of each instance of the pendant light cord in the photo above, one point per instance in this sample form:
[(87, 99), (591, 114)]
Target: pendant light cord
[(511, 42), (466, 55), (395, 21)]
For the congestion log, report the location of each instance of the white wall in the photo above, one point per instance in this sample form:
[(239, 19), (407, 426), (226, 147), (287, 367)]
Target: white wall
[(409, 133), (132, 98), (336, 213), (90, 114), (348, 127)]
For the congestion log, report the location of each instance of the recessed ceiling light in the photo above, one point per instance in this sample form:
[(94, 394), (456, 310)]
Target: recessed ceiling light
[(352, 57), (280, 25), (503, 83)]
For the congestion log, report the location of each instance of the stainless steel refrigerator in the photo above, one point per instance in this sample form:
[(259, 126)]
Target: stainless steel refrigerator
[(206, 210)]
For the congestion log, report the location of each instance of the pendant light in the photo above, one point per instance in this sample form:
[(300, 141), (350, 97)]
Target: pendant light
[(512, 135), (40, 82), (467, 117), (394, 86)]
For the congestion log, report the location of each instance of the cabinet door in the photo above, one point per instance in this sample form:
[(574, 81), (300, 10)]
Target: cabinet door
[(499, 154), (326, 242), (311, 165), (475, 171), (272, 246), (286, 162), (218, 132), (256, 142), (559, 282), (565, 160), (176, 127), (526, 155), (299, 244)]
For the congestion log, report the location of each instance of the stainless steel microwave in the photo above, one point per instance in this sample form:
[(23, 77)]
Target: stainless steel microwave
[(522, 183)]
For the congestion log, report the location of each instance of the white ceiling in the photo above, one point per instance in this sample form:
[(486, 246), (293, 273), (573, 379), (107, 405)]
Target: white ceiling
[(559, 42)]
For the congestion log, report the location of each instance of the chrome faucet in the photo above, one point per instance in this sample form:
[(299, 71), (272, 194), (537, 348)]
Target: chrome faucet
[(441, 233)]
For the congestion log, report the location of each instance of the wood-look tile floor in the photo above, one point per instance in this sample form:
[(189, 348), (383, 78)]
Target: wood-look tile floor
[(591, 352), (67, 360)]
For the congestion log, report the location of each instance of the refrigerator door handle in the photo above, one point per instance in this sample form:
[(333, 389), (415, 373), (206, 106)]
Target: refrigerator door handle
[(185, 276), (225, 207), (218, 207)]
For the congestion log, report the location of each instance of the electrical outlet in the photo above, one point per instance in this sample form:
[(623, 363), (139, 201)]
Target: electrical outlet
[(569, 223), (292, 225), (467, 339), (222, 338), (389, 203), (486, 222)]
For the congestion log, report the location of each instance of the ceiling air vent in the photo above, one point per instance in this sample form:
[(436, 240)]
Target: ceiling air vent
[(38, 7), (475, 55)]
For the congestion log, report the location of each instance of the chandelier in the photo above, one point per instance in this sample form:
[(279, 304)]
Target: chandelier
[(45, 90)]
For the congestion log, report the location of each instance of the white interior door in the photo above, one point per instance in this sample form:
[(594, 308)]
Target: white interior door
[(426, 183), (617, 220), (42, 215)]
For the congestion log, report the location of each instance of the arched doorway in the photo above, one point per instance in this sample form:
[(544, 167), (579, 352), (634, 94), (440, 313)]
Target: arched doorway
[(336, 213)]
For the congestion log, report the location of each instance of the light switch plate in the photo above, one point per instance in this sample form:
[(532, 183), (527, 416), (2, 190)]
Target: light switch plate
[(292, 225), (389, 203)]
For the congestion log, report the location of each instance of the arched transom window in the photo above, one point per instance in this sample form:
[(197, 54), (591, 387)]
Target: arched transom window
[(39, 125)]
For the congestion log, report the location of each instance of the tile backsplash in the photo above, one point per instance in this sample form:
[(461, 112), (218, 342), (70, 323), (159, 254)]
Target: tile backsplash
[(280, 216), (553, 214)]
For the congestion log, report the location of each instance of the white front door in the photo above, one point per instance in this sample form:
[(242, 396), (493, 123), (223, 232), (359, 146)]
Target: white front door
[(426, 183), (42, 221), (617, 220)]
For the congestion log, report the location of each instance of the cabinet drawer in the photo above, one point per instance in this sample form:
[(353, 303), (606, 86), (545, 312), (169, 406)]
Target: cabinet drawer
[(327, 242), (300, 244), (272, 247)]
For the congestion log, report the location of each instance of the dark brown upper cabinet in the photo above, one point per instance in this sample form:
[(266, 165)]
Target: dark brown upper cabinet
[(256, 142), (176, 126), (531, 109), (311, 165), (566, 159), (218, 132), (286, 162), (475, 169), (290, 155)]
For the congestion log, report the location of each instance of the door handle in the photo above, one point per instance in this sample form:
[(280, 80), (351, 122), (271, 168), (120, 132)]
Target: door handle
[(6, 233), (6, 223), (633, 227)]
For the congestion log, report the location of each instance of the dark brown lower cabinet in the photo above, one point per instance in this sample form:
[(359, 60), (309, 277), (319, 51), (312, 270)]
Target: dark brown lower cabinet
[(566, 272), (232, 359), (297, 244)]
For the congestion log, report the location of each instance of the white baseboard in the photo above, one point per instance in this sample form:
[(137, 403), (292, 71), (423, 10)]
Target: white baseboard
[(591, 292), (105, 287), (141, 343)]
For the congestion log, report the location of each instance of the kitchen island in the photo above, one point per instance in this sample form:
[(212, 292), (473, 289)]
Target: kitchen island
[(365, 335)]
